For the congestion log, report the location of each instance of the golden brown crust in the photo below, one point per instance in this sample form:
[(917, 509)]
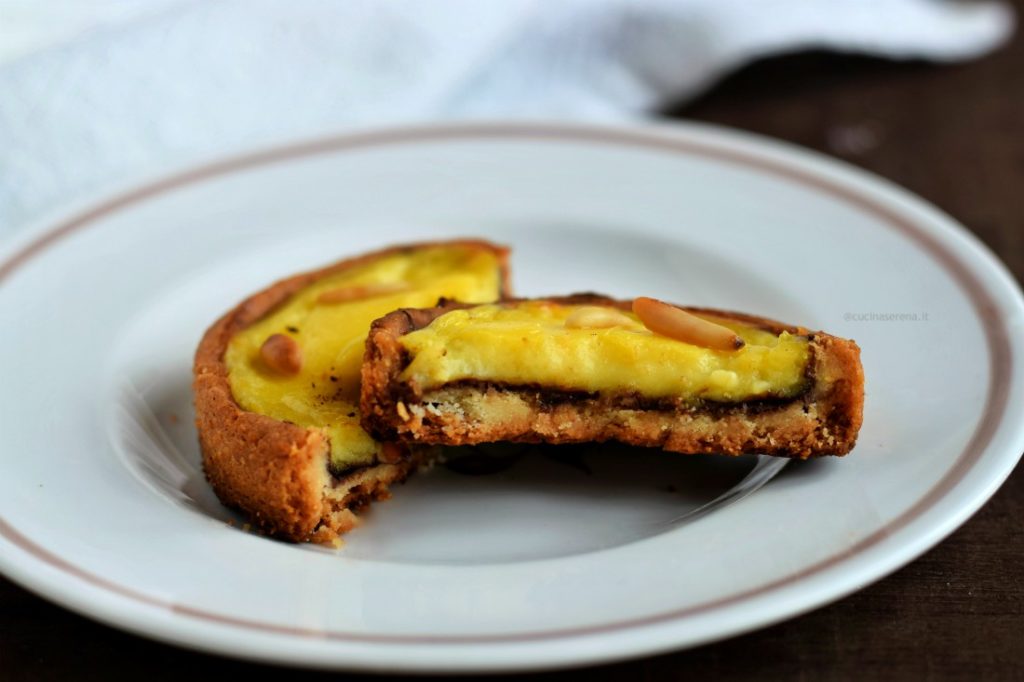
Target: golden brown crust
[(276, 472), (825, 420)]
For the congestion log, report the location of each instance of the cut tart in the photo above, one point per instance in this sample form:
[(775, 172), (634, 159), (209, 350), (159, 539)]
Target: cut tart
[(590, 368), (276, 384)]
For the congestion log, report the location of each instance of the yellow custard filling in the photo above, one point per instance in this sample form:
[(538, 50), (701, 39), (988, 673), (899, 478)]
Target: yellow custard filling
[(331, 335), (530, 343)]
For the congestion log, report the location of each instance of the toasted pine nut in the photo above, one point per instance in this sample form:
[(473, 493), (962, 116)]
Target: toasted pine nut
[(358, 292), (668, 320), (596, 317), (282, 354), (402, 411)]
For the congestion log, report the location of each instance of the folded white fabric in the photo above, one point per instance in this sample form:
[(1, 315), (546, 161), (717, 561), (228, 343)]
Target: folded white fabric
[(119, 94)]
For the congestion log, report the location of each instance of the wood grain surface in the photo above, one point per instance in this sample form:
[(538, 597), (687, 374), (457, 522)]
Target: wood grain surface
[(953, 134)]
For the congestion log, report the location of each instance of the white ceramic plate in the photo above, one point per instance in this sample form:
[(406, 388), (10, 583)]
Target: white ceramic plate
[(579, 557)]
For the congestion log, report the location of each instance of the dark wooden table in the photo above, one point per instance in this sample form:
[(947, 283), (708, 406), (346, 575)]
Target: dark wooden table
[(953, 134)]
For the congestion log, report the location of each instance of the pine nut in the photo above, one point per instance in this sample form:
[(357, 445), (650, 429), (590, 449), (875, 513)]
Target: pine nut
[(675, 323), (282, 354), (359, 292), (596, 317)]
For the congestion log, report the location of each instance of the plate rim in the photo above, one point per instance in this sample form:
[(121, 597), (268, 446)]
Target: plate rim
[(888, 202)]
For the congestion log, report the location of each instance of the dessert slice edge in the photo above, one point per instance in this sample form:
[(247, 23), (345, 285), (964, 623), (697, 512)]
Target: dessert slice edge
[(823, 419)]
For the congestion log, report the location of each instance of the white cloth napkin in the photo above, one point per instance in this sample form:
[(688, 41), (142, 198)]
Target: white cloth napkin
[(112, 91)]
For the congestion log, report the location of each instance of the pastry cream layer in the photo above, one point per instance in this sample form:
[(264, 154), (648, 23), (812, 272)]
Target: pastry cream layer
[(325, 392), (530, 344)]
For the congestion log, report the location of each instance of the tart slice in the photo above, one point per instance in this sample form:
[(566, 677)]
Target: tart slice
[(276, 384), (589, 368)]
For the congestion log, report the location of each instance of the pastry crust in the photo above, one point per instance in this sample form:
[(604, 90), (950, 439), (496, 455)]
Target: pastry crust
[(823, 421), (274, 471)]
